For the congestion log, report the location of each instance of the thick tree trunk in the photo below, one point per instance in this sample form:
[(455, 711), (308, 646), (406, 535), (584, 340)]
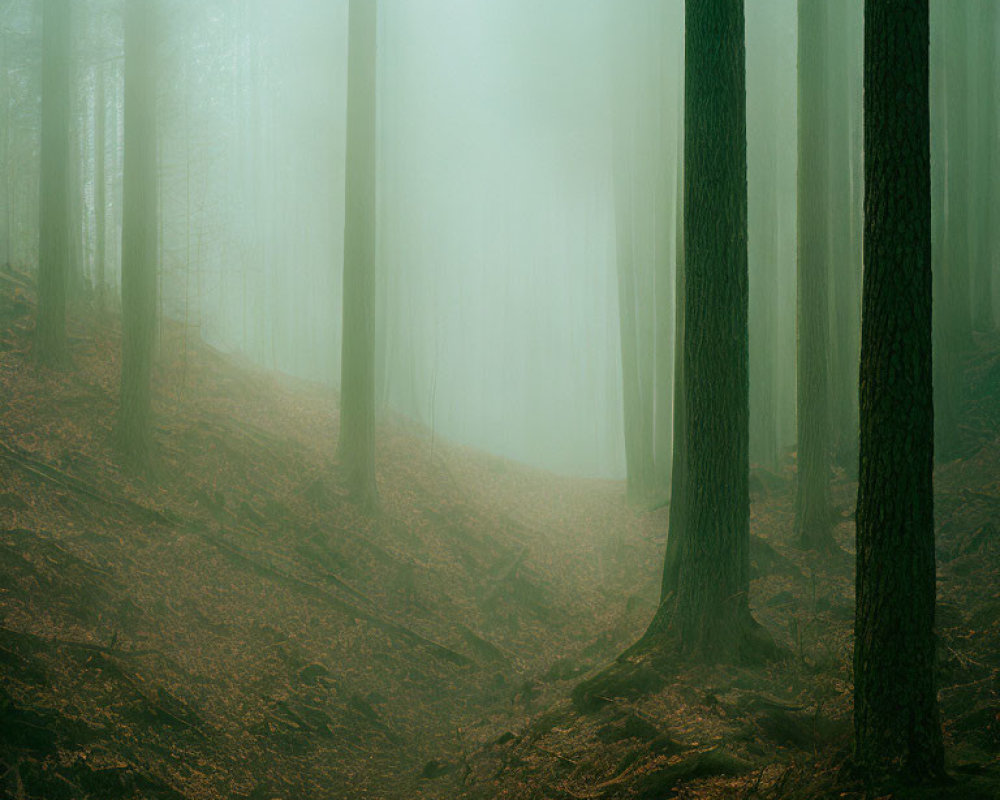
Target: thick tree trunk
[(139, 234), (895, 704), (812, 502), (707, 614), (54, 223), (357, 380)]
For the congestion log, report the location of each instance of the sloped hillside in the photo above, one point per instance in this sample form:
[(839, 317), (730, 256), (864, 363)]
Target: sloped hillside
[(234, 627)]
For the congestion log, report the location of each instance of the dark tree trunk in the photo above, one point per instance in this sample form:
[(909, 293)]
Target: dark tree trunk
[(707, 614), (357, 379), (54, 223), (895, 707), (812, 501), (139, 233)]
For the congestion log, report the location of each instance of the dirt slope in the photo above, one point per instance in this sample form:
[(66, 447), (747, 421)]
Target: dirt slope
[(235, 628)]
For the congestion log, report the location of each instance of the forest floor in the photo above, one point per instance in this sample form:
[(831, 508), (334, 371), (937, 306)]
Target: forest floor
[(233, 627)]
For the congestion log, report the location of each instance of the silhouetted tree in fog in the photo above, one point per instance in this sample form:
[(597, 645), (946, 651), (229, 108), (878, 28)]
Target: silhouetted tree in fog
[(707, 611), (895, 702), (139, 232), (54, 223), (357, 378), (812, 501)]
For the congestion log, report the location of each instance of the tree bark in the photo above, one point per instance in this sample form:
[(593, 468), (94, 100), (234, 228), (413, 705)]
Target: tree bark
[(896, 722), (707, 614), (357, 382)]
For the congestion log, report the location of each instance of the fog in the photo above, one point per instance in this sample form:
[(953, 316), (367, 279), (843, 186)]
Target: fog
[(498, 293)]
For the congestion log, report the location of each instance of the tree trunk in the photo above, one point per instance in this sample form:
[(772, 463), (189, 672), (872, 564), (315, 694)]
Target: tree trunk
[(812, 502), (139, 234), (54, 223), (100, 199), (707, 614), (844, 267), (986, 131), (357, 382), (895, 704)]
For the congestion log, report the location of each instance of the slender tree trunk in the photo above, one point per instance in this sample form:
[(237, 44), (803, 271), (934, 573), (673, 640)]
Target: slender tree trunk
[(675, 521), (947, 350), (100, 198), (707, 613), (139, 233), (54, 223), (957, 311), (844, 266), (5, 231), (896, 722), (357, 383), (812, 502), (986, 131)]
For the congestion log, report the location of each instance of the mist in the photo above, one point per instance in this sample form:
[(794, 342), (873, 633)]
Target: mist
[(495, 398)]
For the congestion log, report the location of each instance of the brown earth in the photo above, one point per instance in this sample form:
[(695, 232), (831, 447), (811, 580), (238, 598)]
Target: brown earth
[(235, 627)]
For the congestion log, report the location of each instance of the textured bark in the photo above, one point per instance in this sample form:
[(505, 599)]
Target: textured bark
[(357, 378), (895, 707), (707, 613), (812, 501), (54, 223), (139, 233)]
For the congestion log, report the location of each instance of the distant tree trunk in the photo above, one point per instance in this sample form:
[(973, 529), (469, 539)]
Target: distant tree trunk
[(139, 233), (812, 501), (100, 199), (895, 703), (5, 226), (986, 130), (357, 383), (947, 350), (635, 392), (54, 223), (957, 308), (841, 66), (707, 613)]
